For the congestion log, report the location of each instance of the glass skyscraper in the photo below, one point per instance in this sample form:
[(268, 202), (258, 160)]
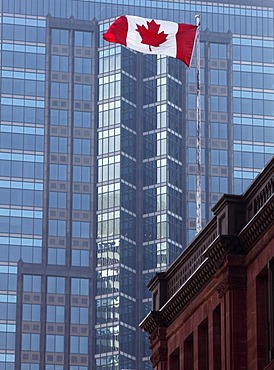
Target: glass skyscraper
[(97, 166)]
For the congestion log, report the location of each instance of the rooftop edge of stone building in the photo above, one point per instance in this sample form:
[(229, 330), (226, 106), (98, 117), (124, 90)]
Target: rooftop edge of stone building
[(219, 259)]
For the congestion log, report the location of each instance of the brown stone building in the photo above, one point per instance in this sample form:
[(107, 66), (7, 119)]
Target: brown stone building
[(214, 307)]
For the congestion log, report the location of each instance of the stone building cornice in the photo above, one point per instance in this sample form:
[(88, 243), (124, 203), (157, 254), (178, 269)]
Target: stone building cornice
[(214, 255), (239, 222), (258, 225)]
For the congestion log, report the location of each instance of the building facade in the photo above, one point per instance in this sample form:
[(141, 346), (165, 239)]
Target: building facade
[(97, 171), (217, 312)]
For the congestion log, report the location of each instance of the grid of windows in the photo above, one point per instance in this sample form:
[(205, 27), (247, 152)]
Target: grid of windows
[(23, 56), (129, 211)]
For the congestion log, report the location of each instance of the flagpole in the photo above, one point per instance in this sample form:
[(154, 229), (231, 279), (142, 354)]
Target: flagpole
[(198, 128)]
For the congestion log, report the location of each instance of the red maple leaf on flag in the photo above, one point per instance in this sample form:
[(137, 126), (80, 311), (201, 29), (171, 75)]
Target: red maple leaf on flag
[(150, 35)]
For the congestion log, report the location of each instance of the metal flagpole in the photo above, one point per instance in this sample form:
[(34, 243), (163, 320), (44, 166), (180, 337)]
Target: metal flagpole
[(198, 128)]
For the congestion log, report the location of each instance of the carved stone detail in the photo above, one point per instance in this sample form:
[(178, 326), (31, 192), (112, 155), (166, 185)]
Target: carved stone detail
[(158, 356), (232, 282), (158, 334), (158, 345)]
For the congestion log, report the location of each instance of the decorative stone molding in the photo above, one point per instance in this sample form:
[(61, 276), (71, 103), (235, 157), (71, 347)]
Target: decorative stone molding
[(232, 282), (260, 223), (158, 346), (180, 299), (159, 334), (159, 356)]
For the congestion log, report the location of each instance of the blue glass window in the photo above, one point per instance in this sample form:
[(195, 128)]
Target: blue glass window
[(55, 313), (78, 344), (55, 343), (58, 117), (59, 63), (82, 92), (56, 285), (82, 65), (80, 229), (80, 258), (59, 37), (81, 173), (82, 39), (31, 312), (59, 90), (79, 286), (56, 256), (58, 172), (58, 144), (81, 201), (82, 119), (57, 199), (57, 228), (32, 283), (79, 315), (81, 146), (30, 342)]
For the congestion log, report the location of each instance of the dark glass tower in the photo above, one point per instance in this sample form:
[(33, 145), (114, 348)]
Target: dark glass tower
[(97, 166)]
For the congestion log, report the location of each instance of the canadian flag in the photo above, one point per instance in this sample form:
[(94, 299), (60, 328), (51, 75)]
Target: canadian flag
[(152, 36)]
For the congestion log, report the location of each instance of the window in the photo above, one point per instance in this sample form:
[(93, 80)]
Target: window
[(265, 314), (82, 39), (58, 117), (80, 229), (56, 285), (59, 37), (82, 92), (58, 172), (81, 146), (78, 344), (218, 103), (58, 144), (30, 342), (82, 65), (57, 199), (79, 315), (218, 51), (31, 312), (218, 77), (32, 283), (203, 345), (79, 258), (59, 63), (55, 314), (174, 360), (82, 119), (56, 256), (81, 201), (217, 337), (26, 366), (79, 286), (55, 343), (81, 174), (57, 227), (189, 353), (59, 90), (7, 337), (108, 310)]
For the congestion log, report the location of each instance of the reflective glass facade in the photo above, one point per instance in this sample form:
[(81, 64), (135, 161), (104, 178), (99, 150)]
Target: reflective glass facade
[(97, 166)]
